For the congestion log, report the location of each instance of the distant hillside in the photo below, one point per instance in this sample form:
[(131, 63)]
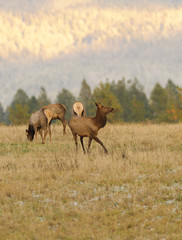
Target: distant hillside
[(56, 45)]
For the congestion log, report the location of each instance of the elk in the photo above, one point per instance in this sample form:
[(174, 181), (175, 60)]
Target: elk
[(55, 111), (37, 123), (89, 126), (79, 109)]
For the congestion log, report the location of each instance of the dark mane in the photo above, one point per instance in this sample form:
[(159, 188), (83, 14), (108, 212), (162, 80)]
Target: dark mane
[(31, 131)]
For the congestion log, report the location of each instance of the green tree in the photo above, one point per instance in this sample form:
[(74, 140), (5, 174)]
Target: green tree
[(33, 104), (132, 98), (174, 104), (19, 114), (86, 98), (20, 98), (138, 113), (172, 92), (43, 98), (67, 98), (19, 108), (158, 103), (121, 92), (139, 107), (103, 94)]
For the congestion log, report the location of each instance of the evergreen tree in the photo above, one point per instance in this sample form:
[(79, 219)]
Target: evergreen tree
[(172, 93), (139, 107), (173, 102), (19, 108), (19, 114), (43, 98), (86, 98), (120, 91), (138, 112), (103, 94), (158, 102), (20, 98), (33, 104), (132, 98), (67, 98)]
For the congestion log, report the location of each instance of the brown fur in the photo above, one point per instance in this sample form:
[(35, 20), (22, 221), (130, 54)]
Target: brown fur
[(89, 126), (55, 111), (79, 109), (37, 123)]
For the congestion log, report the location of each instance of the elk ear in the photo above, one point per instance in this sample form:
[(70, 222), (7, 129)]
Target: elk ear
[(26, 132), (99, 105)]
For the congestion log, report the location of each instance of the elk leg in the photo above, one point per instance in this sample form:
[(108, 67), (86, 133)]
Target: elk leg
[(75, 138), (99, 141), (89, 144), (35, 133), (81, 140), (40, 132), (49, 118), (64, 122), (45, 134), (49, 128)]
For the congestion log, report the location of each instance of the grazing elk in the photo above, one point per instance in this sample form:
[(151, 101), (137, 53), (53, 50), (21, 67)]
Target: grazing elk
[(55, 111), (79, 109), (89, 126), (37, 123)]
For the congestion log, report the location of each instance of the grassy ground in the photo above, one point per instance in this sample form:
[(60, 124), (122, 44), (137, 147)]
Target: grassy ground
[(135, 192)]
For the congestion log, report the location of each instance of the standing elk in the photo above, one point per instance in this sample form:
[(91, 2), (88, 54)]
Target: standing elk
[(37, 123), (89, 126), (55, 111), (79, 109)]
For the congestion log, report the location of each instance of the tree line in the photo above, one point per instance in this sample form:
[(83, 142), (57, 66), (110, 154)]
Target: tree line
[(127, 97)]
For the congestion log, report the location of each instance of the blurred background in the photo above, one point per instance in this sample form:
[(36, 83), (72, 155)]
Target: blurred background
[(127, 54)]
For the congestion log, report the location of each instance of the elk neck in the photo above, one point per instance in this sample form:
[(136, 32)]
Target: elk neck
[(100, 119)]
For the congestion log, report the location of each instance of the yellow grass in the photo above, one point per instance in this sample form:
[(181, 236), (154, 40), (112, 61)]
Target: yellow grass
[(135, 192)]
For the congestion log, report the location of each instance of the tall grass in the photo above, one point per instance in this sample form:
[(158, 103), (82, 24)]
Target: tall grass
[(50, 192)]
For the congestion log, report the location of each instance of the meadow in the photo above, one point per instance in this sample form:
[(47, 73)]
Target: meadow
[(47, 191)]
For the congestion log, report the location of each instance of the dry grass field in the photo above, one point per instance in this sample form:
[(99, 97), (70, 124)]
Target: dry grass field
[(49, 192)]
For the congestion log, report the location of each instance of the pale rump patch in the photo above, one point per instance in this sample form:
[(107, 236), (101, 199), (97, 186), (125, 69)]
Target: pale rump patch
[(78, 109)]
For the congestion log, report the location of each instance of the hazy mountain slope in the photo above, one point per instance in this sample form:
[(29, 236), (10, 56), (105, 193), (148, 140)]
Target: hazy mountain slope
[(73, 30), (46, 43)]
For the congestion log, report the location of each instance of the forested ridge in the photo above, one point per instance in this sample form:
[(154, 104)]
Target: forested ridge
[(127, 97), (58, 42)]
